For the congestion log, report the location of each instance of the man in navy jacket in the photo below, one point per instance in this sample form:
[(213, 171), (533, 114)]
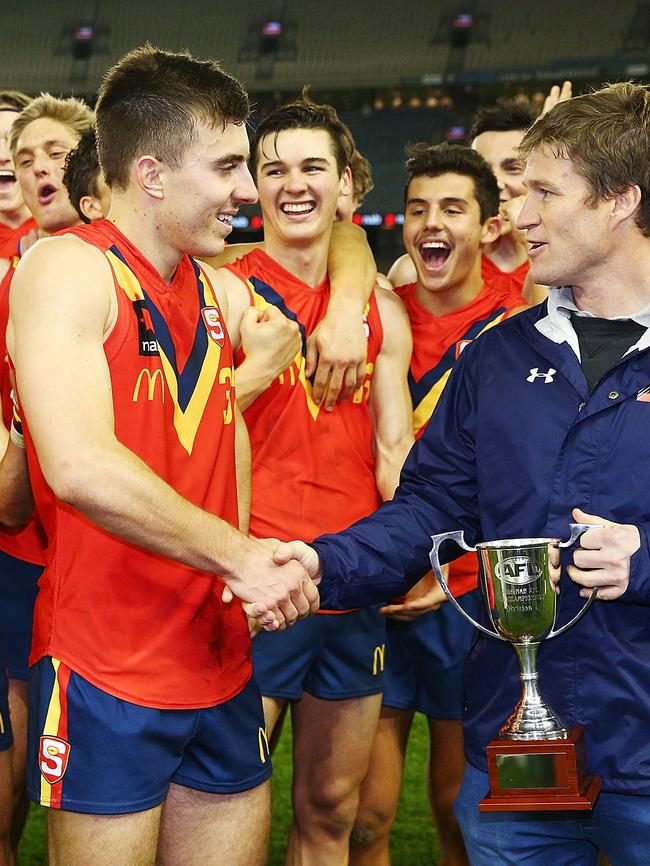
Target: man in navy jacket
[(547, 418)]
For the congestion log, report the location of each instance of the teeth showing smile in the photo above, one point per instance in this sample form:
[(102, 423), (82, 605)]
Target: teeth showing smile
[(225, 218), (298, 207), (7, 177), (435, 253)]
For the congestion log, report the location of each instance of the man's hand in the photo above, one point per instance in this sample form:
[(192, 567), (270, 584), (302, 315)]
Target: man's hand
[(337, 350), (603, 558), (426, 595), (302, 553), (276, 594), (269, 339), (557, 94)]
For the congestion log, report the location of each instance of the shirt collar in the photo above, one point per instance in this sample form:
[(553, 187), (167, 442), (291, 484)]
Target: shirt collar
[(556, 325)]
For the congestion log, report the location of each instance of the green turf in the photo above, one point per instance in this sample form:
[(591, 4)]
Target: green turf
[(413, 840)]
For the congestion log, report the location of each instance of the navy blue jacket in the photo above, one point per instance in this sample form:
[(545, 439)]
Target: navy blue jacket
[(515, 443)]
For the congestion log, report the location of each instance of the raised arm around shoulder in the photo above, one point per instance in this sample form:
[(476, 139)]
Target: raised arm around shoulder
[(390, 400), (62, 307), (337, 347), (232, 252)]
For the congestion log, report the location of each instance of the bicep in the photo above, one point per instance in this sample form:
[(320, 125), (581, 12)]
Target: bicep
[(60, 306)]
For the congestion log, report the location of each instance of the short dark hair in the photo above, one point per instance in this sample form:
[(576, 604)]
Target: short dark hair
[(151, 101), (432, 160), (505, 116), (82, 170), (304, 113), (606, 135), (13, 100)]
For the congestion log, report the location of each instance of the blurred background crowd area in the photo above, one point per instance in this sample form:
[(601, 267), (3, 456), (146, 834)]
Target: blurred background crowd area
[(396, 72)]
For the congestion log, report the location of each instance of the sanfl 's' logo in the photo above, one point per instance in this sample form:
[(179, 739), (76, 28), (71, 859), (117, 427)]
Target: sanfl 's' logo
[(53, 755)]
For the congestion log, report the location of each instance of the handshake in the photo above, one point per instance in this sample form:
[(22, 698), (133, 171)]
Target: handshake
[(276, 582)]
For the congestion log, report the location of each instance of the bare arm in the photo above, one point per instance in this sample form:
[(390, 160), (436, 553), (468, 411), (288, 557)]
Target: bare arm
[(16, 500), (337, 348), (62, 306), (390, 401), (231, 253), (402, 271), (269, 339)]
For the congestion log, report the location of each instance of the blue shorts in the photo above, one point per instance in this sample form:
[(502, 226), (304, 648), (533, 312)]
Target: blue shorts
[(18, 590), (425, 659), (91, 752), (330, 656), (6, 737)]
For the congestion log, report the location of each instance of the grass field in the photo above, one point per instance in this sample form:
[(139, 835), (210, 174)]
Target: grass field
[(413, 840)]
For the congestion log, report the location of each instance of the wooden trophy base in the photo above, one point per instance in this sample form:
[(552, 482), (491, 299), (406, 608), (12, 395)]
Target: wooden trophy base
[(540, 775)]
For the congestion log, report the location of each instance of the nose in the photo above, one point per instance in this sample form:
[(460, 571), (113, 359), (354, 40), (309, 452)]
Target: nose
[(245, 191), (41, 163), (528, 216), (433, 220), (294, 182)]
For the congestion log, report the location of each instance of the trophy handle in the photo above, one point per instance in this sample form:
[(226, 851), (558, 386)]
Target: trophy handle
[(459, 537), (576, 531)]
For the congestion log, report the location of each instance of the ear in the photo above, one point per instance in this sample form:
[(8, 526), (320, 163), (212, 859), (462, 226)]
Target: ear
[(91, 207), (491, 230), (149, 173), (625, 204), (345, 187)]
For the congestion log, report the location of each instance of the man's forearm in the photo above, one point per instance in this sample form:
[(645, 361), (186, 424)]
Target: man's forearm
[(121, 494), (351, 266)]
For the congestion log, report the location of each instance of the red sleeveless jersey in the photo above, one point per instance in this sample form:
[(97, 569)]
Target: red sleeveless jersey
[(27, 543), (313, 471), (437, 343), (507, 283), (142, 627), (10, 238)]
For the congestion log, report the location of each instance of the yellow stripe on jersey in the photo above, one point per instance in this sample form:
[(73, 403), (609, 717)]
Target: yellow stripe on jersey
[(51, 727), (186, 421), (424, 410)]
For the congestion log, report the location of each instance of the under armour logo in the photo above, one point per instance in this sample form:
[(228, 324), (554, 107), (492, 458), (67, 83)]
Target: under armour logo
[(547, 377)]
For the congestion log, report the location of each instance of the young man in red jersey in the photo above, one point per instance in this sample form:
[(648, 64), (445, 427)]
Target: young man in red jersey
[(451, 215), (317, 470), (496, 133), (125, 375), (15, 218), (45, 131)]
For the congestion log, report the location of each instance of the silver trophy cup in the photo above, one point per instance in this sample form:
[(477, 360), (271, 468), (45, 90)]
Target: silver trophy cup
[(515, 579)]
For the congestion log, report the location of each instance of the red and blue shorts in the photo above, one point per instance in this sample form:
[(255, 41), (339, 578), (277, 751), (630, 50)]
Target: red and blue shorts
[(92, 752)]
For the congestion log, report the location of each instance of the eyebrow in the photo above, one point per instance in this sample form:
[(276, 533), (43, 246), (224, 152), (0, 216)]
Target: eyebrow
[(49, 143), (446, 200), (533, 183), (272, 162)]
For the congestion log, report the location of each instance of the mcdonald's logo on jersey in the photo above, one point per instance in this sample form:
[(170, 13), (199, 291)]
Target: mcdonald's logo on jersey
[(378, 659), (152, 379), (213, 324), (263, 743), (53, 755)]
